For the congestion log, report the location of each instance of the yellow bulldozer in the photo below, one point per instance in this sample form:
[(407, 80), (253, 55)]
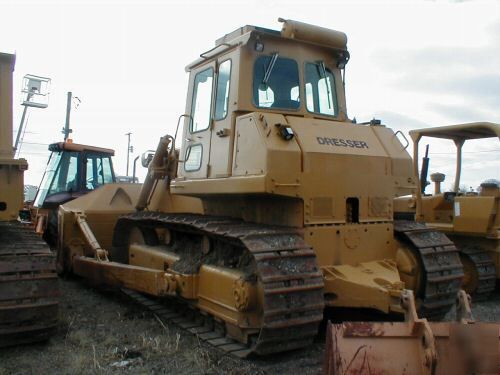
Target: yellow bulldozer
[(28, 280), (470, 219), (275, 205)]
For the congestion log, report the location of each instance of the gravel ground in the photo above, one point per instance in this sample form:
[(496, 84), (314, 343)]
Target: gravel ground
[(102, 333)]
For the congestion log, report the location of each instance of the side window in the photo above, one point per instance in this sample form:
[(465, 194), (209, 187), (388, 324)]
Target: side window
[(202, 100), (223, 82), (98, 171), (325, 91), (107, 175), (104, 175), (309, 97), (320, 89), (72, 171), (89, 182), (193, 158)]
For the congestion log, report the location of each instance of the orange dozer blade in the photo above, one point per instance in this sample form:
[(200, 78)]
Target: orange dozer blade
[(415, 346)]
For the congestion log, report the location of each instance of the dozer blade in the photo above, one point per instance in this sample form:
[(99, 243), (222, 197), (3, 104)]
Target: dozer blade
[(413, 347)]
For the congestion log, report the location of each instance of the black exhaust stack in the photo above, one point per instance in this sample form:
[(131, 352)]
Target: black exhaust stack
[(424, 171)]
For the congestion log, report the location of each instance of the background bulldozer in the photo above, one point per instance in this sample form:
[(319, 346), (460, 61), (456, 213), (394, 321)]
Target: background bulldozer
[(28, 280), (275, 206), (470, 219)]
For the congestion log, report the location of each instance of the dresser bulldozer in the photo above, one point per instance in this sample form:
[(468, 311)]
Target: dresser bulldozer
[(28, 279), (268, 205)]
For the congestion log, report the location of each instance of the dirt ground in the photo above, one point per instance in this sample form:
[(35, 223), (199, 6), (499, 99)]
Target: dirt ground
[(103, 333)]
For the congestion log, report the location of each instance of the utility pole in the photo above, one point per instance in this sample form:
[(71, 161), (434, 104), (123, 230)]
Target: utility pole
[(66, 130), (129, 149)]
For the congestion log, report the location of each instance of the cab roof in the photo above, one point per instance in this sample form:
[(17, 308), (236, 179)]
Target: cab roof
[(291, 29), (463, 132), (70, 146)]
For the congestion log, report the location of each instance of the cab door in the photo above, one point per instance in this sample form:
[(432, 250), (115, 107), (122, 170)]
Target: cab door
[(196, 143), (221, 144)]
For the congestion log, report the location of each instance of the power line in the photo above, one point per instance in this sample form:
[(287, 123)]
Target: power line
[(35, 143), (26, 132), (33, 153), (463, 152)]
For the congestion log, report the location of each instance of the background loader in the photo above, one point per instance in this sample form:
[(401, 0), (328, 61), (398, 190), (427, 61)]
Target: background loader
[(72, 171)]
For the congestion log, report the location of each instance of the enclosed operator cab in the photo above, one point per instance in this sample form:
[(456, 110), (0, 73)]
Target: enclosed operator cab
[(73, 170)]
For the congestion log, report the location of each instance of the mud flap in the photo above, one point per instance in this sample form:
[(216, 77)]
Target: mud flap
[(413, 347)]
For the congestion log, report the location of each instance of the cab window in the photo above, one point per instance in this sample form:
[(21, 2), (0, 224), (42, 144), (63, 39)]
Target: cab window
[(202, 100), (193, 158), (222, 97), (320, 89), (276, 82), (99, 171), (60, 176), (66, 176)]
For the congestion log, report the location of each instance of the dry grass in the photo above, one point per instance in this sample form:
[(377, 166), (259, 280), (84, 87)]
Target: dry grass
[(79, 338), (98, 330), (79, 362)]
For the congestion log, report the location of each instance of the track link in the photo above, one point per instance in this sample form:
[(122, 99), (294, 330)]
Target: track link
[(28, 286), (442, 269), (485, 268), (286, 268)]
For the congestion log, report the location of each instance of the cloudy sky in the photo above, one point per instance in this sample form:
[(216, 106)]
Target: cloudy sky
[(413, 64)]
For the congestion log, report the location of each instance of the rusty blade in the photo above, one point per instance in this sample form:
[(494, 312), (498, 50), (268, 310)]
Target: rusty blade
[(400, 348)]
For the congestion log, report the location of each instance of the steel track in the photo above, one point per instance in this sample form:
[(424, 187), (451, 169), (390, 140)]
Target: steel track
[(285, 268), (290, 317), (441, 266), (485, 268), (28, 286)]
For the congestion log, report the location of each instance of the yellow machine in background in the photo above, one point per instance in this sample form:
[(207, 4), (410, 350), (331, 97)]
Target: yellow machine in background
[(72, 171), (28, 281), (12, 170), (275, 206), (470, 219)]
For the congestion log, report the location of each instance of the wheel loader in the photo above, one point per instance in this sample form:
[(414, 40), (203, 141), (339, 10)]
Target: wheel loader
[(470, 219), (275, 206), (72, 170), (28, 280)]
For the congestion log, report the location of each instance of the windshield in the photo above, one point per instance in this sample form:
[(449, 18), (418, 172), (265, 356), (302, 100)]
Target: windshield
[(60, 176), (276, 83), (320, 89)]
